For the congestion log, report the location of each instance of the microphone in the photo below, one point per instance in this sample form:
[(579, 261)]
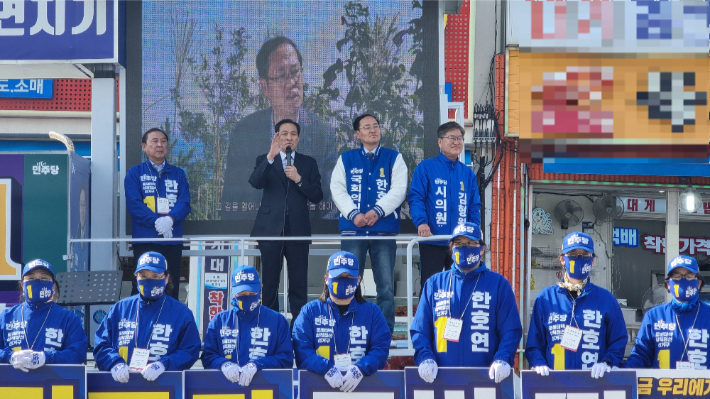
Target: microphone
[(288, 156)]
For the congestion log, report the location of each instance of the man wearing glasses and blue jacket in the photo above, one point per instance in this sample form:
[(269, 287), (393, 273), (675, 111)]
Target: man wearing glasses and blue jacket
[(444, 194)]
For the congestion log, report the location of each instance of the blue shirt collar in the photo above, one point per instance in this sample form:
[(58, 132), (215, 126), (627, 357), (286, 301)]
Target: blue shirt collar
[(157, 167)]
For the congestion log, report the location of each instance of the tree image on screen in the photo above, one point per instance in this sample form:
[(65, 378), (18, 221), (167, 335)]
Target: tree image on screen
[(202, 88)]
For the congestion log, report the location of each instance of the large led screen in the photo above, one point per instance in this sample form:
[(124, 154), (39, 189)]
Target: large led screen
[(217, 75)]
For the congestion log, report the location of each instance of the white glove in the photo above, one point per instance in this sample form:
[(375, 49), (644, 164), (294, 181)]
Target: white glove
[(168, 234), (119, 373), (153, 371), (38, 359), (542, 370), (352, 379), (231, 371), (428, 370), (163, 224), (248, 372), (499, 371), (21, 360), (334, 377), (598, 370)]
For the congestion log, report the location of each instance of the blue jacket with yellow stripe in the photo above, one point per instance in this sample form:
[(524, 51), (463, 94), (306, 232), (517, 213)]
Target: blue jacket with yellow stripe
[(663, 336), (320, 332), (484, 302), (61, 336), (143, 185), (265, 339), (165, 327), (596, 313)]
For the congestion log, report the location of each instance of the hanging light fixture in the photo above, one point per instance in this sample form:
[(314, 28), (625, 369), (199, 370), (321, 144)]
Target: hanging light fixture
[(690, 200)]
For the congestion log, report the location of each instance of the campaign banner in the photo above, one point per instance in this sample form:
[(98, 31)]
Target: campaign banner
[(380, 385), (26, 88), (458, 383), (212, 384), (48, 381), (100, 385), (61, 31), (216, 296), (618, 384), (654, 384)]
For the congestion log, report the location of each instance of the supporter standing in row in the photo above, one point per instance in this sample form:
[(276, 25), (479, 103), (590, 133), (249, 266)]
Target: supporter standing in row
[(466, 316), (149, 333), (340, 335), (674, 335), (38, 331), (249, 337), (575, 324)]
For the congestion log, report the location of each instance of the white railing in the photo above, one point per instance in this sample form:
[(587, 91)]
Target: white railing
[(330, 239)]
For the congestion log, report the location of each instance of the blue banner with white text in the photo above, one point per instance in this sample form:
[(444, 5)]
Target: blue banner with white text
[(61, 30)]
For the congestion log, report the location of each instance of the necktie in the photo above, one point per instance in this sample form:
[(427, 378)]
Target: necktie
[(370, 155)]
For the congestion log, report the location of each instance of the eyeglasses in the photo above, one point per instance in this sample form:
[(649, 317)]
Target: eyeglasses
[(286, 78), (367, 128), (584, 256), (453, 139), (33, 278), (678, 277)]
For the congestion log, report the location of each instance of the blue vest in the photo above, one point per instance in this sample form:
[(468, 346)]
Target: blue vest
[(367, 182)]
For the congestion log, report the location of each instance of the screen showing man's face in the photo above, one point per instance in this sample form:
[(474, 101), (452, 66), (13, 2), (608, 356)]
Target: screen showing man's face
[(284, 85), (238, 68)]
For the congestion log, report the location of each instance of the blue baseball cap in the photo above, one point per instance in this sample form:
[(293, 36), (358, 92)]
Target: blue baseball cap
[(469, 230), (343, 262), (152, 261), (577, 240), (38, 264), (683, 261), (245, 278)]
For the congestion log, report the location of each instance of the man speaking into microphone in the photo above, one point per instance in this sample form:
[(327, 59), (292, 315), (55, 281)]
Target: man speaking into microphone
[(289, 181)]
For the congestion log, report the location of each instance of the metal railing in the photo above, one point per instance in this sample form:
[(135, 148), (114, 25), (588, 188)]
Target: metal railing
[(330, 239)]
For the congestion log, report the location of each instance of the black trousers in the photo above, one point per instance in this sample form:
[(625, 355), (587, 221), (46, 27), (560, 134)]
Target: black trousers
[(172, 254), (433, 259), (272, 255)]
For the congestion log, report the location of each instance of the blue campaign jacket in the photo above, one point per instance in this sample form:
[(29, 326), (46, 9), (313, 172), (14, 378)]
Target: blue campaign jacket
[(659, 343), (62, 338), (444, 194), (491, 325), (362, 331), (140, 186), (174, 340), (599, 317), (265, 340), (367, 182)]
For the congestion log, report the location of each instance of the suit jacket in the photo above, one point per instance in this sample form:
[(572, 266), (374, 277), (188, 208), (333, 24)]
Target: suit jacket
[(251, 136), (281, 193)]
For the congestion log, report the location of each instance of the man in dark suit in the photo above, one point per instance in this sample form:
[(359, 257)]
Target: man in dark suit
[(289, 182), (280, 68)]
